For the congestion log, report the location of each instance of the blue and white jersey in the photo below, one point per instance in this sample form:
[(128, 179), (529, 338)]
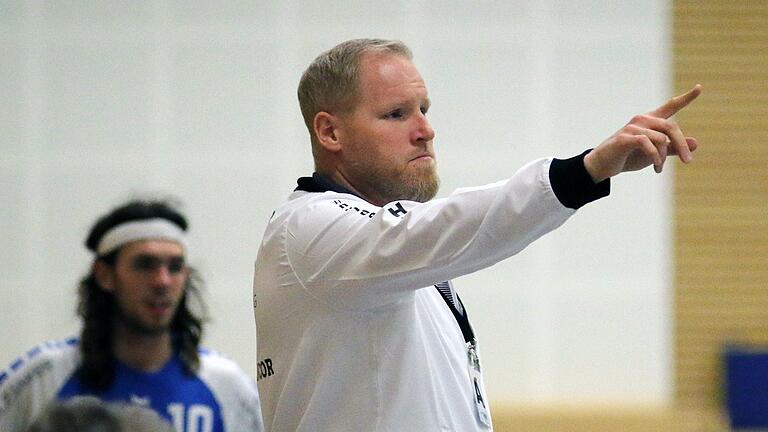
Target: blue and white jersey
[(219, 398)]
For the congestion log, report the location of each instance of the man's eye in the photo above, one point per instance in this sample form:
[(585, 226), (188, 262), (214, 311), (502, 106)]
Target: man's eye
[(146, 264), (424, 110), (396, 114), (176, 265), (150, 264)]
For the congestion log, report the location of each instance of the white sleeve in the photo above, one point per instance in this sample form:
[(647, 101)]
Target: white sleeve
[(32, 382), (235, 392), (339, 252), (18, 404)]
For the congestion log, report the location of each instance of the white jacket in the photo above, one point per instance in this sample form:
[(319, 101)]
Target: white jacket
[(348, 337)]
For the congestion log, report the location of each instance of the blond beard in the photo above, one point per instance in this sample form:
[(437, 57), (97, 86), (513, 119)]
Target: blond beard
[(420, 185)]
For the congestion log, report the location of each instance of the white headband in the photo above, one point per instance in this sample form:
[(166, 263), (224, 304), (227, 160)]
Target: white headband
[(146, 229)]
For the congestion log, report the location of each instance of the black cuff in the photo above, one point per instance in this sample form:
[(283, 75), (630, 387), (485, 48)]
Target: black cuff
[(573, 185)]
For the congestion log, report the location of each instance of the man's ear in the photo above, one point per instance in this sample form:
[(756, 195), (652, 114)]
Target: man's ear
[(326, 126), (104, 275)]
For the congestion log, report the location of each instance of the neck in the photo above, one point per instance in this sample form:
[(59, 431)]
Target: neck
[(142, 352), (339, 178)]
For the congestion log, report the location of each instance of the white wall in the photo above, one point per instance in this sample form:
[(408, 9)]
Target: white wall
[(102, 101)]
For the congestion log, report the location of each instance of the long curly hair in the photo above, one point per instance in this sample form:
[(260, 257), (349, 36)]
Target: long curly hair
[(97, 307)]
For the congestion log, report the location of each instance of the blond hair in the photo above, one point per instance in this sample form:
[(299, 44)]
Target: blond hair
[(330, 83)]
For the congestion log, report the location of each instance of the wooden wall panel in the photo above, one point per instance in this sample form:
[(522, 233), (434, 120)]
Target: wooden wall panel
[(721, 200)]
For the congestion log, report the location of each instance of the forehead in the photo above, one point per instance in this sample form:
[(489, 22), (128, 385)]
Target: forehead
[(152, 247), (385, 75)]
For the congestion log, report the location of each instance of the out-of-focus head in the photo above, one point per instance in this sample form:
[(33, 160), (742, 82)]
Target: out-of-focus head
[(88, 414), (139, 284), (140, 260)]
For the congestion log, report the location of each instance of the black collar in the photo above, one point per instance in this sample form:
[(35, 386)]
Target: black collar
[(321, 183)]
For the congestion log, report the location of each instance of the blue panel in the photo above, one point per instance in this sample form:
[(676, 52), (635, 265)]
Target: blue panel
[(747, 387)]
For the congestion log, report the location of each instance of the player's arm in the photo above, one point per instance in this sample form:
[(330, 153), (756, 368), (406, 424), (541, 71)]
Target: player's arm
[(341, 247)]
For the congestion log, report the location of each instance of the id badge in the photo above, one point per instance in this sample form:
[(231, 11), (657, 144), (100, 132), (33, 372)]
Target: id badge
[(478, 389)]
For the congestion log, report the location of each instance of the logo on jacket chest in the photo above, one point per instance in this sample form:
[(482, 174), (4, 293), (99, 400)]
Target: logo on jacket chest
[(346, 207)]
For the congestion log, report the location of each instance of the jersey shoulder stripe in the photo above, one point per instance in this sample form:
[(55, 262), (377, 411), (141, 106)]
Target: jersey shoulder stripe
[(33, 380), (53, 352)]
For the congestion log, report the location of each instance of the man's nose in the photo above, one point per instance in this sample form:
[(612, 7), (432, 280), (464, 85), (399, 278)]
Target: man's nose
[(162, 276), (423, 131)]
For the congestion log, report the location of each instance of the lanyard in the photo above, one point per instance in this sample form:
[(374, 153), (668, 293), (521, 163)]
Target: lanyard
[(462, 319)]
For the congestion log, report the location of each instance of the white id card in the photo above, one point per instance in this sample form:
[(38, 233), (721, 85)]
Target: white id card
[(478, 389)]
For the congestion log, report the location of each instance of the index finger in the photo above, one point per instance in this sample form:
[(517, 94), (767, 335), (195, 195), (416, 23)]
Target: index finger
[(672, 106)]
